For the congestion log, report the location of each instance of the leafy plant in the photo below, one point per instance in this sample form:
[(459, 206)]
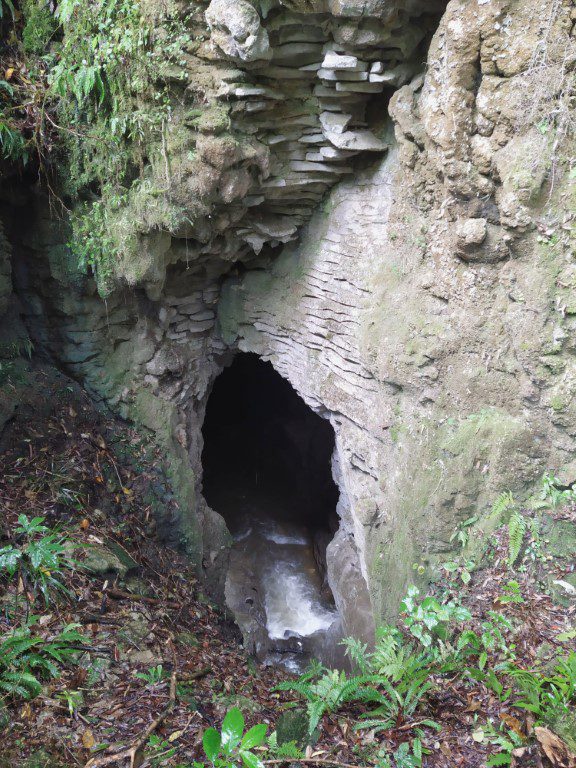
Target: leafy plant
[(39, 561), (491, 638), (26, 659), (393, 681), (160, 749), (326, 690), (408, 755), (73, 700), (547, 696), (511, 594), (398, 703), (553, 494), (429, 620), (516, 530), (232, 746), (289, 749), (462, 532), (12, 143), (462, 567), (153, 676), (506, 739), (503, 504)]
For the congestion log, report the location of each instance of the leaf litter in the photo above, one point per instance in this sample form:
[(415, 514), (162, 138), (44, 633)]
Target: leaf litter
[(92, 475)]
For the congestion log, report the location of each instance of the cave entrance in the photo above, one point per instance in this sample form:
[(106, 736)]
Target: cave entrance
[(267, 469)]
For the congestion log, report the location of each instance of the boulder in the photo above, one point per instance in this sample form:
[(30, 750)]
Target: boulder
[(236, 29)]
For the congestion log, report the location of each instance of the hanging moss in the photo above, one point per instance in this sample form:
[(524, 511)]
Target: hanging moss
[(39, 27)]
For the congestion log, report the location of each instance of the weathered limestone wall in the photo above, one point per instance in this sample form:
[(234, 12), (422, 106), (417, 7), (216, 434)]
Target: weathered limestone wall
[(423, 305)]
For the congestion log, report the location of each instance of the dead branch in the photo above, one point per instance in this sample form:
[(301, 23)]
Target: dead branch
[(197, 675), (119, 594), (312, 761)]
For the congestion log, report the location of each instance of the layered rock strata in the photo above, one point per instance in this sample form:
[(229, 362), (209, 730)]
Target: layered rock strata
[(426, 308)]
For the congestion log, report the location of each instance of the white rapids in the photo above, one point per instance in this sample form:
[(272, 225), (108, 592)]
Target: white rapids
[(278, 560)]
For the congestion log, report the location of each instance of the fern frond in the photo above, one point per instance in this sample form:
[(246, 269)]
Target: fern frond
[(289, 750), (503, 503), (376, 724), (316, 710), (304, 689), (358, 654), (516, 530)]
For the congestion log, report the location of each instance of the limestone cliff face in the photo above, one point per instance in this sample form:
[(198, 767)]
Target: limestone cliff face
[(392, 178)]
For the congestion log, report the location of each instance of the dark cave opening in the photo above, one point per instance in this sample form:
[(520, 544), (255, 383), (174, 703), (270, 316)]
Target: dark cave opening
[(266, 450), (267, 464)]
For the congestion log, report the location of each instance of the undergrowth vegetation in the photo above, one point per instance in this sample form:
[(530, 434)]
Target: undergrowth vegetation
[(34, 568), (88, 92)]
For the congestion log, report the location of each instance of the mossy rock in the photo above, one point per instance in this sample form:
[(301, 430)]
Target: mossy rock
[(109, 559), (293, 726), (39, 28), (245, 704)]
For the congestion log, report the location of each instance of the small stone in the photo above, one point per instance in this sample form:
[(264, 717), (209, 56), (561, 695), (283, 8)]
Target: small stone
[(336, 122), (334, 60), (471, 232), (100, 561)]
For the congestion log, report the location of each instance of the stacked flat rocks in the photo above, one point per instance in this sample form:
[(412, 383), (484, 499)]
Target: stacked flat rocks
[(304, 86)]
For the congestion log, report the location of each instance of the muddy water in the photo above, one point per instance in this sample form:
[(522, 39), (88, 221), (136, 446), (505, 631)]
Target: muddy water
[(276, 591)]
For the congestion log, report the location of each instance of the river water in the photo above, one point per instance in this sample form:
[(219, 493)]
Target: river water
[(276, 590)]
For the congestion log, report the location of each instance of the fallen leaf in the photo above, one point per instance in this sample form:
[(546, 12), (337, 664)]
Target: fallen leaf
[(478, 735), (473, 706), (88, 740), (555, 749), (174, 736), (513, 723), (8, 74), (445, 749)]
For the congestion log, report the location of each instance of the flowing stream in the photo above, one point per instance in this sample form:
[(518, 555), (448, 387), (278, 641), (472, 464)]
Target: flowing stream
[(275, 584)]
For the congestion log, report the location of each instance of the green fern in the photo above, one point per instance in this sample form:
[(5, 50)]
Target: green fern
[(503, 503), (358, 654), (516, 530), (26, 660)]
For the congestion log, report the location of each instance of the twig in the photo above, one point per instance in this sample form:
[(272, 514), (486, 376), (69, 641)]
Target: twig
[(119, 594), (197, 675), (133, 752), (311, 760), (409, 726), (95, 619)]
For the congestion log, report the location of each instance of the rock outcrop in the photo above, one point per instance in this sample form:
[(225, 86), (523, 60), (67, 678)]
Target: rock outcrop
[(422, 299)]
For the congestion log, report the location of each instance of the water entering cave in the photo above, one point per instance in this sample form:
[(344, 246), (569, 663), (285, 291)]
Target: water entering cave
[(267, 469)]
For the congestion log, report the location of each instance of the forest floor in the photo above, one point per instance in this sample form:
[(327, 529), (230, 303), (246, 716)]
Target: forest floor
[(161, 662)]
